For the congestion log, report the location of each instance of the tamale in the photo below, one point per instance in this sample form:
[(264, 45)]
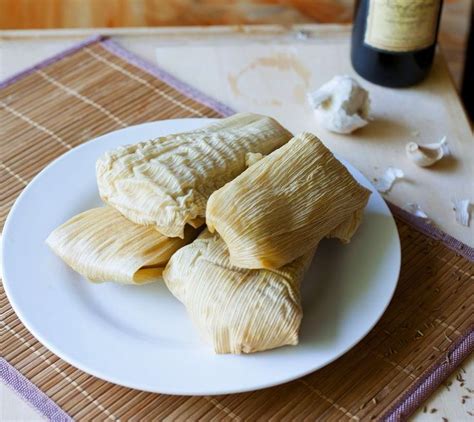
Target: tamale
[(285, 203), (103, 245), (236, 310), (348, 227), (165, 182)]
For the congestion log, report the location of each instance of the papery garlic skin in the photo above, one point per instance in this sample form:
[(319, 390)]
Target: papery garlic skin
[(341, 105), (417, 211), (462, 209), (427, 155), (391, 175)]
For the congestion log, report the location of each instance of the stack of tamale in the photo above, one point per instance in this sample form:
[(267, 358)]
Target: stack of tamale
[(268, 200)]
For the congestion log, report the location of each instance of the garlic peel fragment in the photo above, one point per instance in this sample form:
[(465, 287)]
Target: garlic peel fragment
[(462, 209), (391, 175), (417, 211), (427, 155), (341, 105)]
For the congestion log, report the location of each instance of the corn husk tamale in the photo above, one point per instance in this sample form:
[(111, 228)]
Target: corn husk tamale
[(236, 310), (348, 227), (103, 245), (285, 203), (166, 182)]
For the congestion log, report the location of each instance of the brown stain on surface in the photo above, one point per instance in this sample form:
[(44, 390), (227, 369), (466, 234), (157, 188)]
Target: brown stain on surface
[(281, 61), (234, 85), (299, 93)]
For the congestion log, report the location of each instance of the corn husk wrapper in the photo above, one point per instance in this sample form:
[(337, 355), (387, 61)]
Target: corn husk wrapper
[(252, 157), (348, 227), (166, 182), (236, 310), (102, 245), (283, 205)]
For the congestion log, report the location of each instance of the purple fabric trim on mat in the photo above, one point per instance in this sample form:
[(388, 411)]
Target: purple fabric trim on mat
[(432, 379), (53, 59), (31, 393), (433, 232), (166, 77)]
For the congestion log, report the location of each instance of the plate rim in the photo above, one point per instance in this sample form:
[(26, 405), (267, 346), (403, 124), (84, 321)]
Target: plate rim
[(73, 362)]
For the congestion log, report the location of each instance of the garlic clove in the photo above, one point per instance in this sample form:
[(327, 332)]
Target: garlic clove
[(427, 155)]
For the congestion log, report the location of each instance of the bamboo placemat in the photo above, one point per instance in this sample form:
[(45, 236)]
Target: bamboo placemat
[(97, 87)]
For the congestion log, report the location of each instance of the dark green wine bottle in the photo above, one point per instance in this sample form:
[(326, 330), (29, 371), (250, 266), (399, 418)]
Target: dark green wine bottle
[(394, 41)]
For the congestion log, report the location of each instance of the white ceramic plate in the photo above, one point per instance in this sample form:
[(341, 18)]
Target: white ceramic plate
[(141, 337)]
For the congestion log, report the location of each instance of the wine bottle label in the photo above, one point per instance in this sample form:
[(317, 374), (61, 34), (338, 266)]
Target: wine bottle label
[(401, 25)]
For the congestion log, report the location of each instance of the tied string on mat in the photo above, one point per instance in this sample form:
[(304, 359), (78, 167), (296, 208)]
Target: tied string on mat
[(97, 87)]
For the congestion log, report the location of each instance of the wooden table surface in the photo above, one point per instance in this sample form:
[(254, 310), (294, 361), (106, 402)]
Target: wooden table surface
[(48, 14), (235, 73)]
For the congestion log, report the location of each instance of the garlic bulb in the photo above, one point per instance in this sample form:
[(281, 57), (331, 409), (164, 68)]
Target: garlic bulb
[(341, 105), (427, 155)]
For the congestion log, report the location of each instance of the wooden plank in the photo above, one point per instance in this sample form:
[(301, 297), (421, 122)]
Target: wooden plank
[(23, 14), (27, 14)]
